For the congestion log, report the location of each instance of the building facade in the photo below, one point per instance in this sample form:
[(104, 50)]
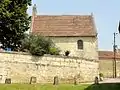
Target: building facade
[(106, 59), (74, 33)]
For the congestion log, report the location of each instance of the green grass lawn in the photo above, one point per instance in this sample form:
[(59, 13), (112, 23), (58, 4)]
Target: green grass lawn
[(41, 87), (59, 87)]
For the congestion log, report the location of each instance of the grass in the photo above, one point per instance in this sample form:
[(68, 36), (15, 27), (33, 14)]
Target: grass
[(41, 87), (59, 87)]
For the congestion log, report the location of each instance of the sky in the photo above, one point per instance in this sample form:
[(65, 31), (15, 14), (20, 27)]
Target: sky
[(106, 14)]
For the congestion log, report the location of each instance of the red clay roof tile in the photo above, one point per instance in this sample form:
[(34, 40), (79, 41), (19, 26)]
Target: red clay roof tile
[(64, 25), (108, 55)]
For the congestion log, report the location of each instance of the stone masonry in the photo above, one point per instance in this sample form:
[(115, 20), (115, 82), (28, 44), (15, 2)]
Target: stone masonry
[(20, 67)]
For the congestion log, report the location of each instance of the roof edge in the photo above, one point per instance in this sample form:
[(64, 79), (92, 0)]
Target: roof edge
[(61, 15)]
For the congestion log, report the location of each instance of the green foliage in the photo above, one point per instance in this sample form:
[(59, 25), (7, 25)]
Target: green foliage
[(54, 51), (39, 45), (101, 75), (14, 21)]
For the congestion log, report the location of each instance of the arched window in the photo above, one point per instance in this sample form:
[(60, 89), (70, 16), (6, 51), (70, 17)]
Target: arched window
[(80, 44)]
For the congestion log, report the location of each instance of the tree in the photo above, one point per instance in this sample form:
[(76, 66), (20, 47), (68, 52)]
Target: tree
[(39, 45), (14, 22)]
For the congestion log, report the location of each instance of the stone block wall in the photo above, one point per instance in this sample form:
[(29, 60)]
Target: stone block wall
[(106, 67), (20, 67)]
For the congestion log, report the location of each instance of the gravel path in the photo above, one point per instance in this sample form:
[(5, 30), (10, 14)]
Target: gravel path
[(107, 80), (111, 80)]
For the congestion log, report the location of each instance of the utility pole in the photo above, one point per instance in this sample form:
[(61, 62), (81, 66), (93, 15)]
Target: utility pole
[(114, 60)]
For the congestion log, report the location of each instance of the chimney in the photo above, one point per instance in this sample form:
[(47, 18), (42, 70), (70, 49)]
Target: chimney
[(34, 14), (34, 10)]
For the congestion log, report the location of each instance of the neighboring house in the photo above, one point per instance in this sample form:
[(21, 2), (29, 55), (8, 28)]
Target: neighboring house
[(75, 33), (106, 63)]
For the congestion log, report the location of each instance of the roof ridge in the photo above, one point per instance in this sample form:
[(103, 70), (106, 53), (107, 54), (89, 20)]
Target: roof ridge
[(105, 51), (63, 15)]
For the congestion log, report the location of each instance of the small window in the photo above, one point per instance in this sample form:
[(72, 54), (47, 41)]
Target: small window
[(80, 44)]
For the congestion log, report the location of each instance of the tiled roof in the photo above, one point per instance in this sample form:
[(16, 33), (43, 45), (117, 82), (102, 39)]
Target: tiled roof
[(108, 55), (64, 25)]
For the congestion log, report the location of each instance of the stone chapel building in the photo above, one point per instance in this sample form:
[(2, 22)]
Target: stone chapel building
[(75, 33)]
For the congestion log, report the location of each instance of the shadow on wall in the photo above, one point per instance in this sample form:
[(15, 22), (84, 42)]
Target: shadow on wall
[(104, 86)]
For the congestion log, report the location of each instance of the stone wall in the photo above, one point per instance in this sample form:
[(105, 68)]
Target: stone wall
[(106, 67), (20, 67)]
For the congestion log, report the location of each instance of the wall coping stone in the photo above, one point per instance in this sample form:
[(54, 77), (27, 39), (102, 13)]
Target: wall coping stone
[(48, 55)]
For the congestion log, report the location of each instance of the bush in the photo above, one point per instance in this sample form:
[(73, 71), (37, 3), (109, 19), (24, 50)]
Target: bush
[(39, 45), (54, 51), (101, 75)]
